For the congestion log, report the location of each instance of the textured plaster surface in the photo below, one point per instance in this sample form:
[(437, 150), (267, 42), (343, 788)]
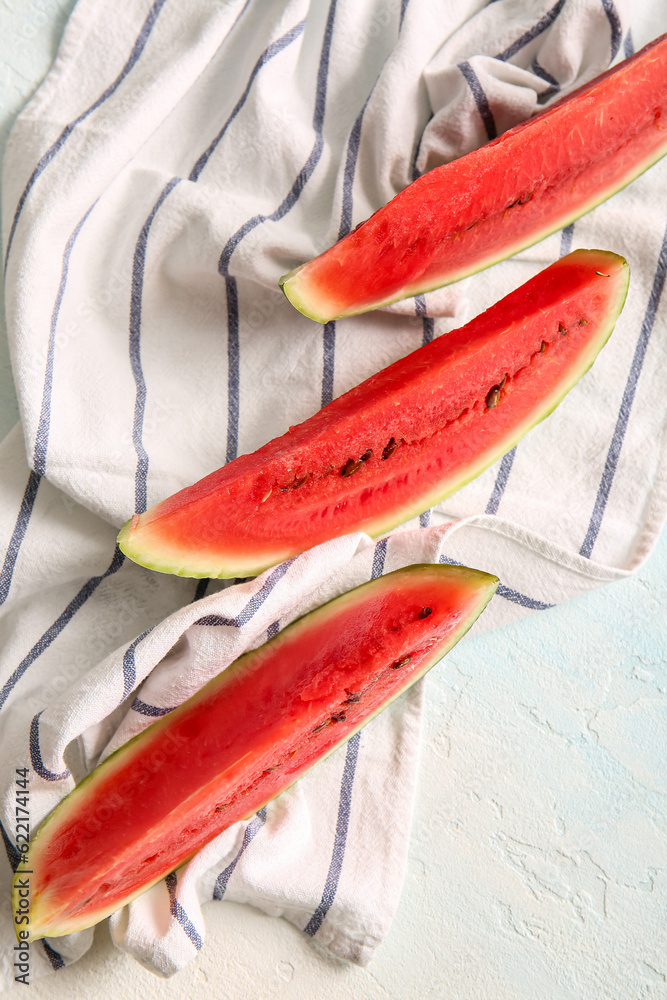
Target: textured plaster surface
[(538, 859)]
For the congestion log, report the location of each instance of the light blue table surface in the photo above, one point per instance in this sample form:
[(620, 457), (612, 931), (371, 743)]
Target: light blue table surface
[(608, 650)]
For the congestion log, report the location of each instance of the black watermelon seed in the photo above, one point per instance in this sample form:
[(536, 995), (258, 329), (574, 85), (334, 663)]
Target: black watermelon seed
[(350, 467), (424, 613), (336, 717), (352, 697), (390, 448), (583, 322), (401, 663), (562, 329), (543, 346), (492, 397), (366, 455), (300, 482)]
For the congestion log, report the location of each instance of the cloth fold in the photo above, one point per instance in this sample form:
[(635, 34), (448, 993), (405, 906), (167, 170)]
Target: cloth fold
[(173, 164)]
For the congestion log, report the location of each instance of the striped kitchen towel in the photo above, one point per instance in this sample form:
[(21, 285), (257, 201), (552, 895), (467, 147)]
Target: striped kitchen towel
[(177, 160)]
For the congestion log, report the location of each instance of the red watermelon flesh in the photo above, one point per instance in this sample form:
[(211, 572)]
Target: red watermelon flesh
[(399, 442), (489, 204), (245, 737)]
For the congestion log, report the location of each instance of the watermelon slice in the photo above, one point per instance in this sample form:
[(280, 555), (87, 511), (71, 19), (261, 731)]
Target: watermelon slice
[(499, 199), (399, 442), (245, 737)]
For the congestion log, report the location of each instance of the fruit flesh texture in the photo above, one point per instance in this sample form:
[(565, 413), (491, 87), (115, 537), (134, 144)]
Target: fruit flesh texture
[(292, 494), (245, 737), (489, 204)]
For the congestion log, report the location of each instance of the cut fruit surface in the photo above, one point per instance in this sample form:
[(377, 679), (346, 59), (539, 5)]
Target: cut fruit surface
[(246, 736), (489, 204), (399, 442)]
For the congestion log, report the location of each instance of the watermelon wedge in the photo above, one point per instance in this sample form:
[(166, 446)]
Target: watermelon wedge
[(534, 179), (399, 442), (240, 741)]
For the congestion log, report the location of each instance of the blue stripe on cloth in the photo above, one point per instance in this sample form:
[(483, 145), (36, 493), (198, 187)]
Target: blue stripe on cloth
[(345, 799), (507, 592), (273, 629), (249, 834), (425, 518), (272, 50), (414, 172), (481, 99), (554, 85), (623, 418), (328, 361), (143, 708), (379, 556), (42, 435), (329, 329), (141, 475), (340, 838), (351, 157), (566, 237), (544, 74), (428, 330), (136, 300), (38, 764), (518, 598), (54, 957), (233, 340), (528, 36), (13, 854), (346, 215), (177, 911), (59, 624), (323, 70), (18, 534), (253, 604), (233, 368), (44, 161), (628, 45), (614, 25), (501, 482), (129, 664), (428, 326)]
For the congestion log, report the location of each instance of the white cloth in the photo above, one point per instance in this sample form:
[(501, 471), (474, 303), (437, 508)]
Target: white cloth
[(177, 160)]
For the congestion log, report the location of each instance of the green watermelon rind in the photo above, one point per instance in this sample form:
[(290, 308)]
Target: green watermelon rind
[(486, 584), (202, 571)]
